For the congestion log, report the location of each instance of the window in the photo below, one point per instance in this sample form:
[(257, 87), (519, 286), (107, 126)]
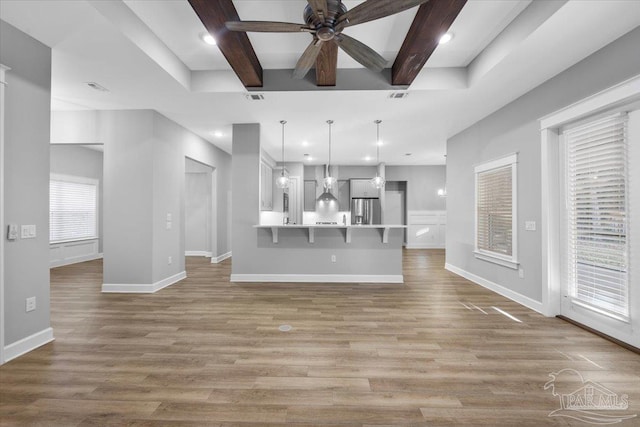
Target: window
[(496, 211), (73, 203), (596, 220)]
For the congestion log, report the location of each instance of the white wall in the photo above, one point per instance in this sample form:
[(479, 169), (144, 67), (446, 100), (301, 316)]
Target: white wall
[(26, 166), (515, 128)]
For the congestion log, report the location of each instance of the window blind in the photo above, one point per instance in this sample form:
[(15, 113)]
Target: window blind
[(597, 214), (494, 205), (72, 210)]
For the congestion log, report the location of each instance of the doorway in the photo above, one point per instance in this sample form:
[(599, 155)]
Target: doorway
[(199, 201)]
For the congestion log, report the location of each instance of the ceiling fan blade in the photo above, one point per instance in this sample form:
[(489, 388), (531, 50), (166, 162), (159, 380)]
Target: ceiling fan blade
[(361, 53), (308, 59), (375, 9), (319, 7), (267, 27)]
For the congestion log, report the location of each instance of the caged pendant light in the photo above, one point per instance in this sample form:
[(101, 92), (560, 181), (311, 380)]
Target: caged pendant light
[(283, 179), (378, 181)]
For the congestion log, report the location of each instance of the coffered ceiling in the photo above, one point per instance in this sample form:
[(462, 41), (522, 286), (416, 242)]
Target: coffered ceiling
[(149, 55)]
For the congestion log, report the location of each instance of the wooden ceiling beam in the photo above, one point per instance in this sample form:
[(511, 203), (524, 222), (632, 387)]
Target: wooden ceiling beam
[(432, 20), (326, 64), (234, 45)]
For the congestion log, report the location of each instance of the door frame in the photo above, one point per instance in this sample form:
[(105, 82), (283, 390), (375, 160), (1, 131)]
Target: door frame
[(617, 97), (3, 84)]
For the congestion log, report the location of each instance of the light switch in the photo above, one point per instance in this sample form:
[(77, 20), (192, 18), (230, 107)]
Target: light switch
[(12, 231), (530, 225), (168, 217), (28, 231)]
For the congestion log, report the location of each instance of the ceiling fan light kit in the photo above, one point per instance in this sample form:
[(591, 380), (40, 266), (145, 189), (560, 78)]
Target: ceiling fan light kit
[(325, 20)]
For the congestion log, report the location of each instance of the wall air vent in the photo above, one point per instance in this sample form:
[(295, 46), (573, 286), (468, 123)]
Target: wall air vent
[(96, 86), (398, 95), (255, 96)]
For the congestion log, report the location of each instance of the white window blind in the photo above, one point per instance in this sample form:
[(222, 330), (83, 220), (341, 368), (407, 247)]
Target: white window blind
[(72, 209), (597, 215), (495, 210)]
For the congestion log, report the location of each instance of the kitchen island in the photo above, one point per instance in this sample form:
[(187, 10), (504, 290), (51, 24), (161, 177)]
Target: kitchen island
[(325, 253), (384, 229)]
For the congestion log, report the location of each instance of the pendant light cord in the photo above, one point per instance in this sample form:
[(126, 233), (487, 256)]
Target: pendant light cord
[(330, 122), (377, 122), (282, 122)]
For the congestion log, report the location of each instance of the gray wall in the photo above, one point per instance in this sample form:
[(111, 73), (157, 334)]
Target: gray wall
[(81, 161), (254, 251), (26, 162), (423, 183), (515, 128), (144, 175), (128, 196)]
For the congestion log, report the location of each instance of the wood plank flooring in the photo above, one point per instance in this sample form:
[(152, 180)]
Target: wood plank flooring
[(207, 352)]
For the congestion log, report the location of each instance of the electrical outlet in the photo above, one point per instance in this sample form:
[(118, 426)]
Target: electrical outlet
[(530, 225), (333, 258), (169, 260), (521, 273), (168, 225), (30, 304)]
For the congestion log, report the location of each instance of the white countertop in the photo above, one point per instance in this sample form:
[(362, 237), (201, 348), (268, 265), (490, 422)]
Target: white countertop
[(330, 226)]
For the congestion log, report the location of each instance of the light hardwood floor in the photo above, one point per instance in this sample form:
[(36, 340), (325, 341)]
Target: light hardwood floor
[(207, 352)]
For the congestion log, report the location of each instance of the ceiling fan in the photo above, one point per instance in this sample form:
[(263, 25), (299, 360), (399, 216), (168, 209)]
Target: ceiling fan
[(325, 20)]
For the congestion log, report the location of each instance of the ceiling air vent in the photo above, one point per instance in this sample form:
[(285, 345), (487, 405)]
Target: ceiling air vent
[(398, 95), (97, 86), (255, 96)]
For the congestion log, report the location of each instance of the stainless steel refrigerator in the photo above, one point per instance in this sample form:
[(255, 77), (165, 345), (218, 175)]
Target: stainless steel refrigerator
[(365, 211)]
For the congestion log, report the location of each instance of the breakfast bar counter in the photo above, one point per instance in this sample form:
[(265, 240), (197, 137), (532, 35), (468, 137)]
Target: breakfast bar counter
[(348, 229)]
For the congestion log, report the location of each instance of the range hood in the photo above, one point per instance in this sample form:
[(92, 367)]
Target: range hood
[(326, 201)]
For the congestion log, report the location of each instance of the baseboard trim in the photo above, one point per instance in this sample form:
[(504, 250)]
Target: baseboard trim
[(28, 344), (142, 288), (508, 293), (198, 253), (600, 334), (319, 278), (75, 260), (219, 259), (423, 246)]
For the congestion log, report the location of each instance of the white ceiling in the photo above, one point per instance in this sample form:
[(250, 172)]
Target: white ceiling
[(149, 55)]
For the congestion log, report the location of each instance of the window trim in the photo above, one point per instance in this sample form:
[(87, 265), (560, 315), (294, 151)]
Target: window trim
[(510, 160), (80, 180)]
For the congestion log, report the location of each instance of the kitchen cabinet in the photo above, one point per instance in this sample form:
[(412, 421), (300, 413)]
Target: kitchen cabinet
[(310, 196), (266, 187), (344, 202), (362, 188)]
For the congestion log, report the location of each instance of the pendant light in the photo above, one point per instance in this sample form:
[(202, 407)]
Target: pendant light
[(329, 181), (378, 182), (283, 179), (327, 203)]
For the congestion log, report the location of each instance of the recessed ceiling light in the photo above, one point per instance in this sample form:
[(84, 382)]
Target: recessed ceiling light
[(208, 39), (367, 159), (380, 143), (305, 143), (218, 134), (446, 38), (307, 157)]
